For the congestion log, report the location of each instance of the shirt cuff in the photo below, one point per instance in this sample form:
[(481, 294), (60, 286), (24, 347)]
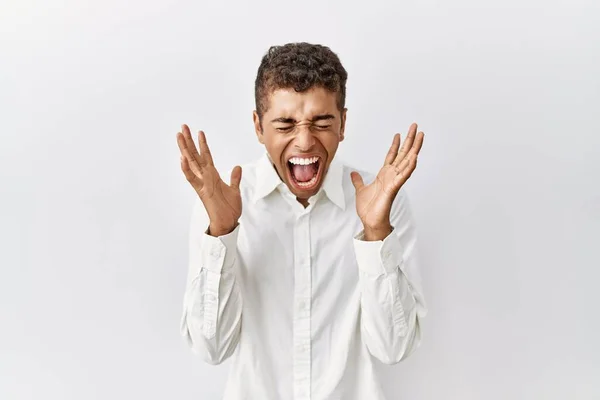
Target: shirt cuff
[(219, 253), (379, 257)]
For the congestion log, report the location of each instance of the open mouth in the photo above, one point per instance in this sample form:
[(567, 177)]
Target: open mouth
[(304, 171)]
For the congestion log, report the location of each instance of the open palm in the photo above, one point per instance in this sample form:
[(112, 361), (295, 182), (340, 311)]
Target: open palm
[(223, 202), (374, 201)]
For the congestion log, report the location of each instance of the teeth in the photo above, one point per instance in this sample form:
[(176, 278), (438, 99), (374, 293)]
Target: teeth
[(304, 161), (309, 183)]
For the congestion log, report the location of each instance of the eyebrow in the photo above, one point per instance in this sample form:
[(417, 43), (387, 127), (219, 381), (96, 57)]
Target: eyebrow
[(322, 117), (315, 119), (284, 120)]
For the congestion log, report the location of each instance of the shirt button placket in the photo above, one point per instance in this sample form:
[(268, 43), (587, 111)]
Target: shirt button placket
[(302, 308)]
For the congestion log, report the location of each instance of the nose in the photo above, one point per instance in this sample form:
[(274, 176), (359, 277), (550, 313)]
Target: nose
[(304, 140)]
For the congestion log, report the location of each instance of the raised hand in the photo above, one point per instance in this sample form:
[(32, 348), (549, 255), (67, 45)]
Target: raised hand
[(374, 201), (223, 203)]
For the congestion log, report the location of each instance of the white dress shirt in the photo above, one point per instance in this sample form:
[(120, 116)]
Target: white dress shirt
[(294, 295)]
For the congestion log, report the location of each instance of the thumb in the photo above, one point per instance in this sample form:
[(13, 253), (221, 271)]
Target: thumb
[(236, 177), (357, 180)]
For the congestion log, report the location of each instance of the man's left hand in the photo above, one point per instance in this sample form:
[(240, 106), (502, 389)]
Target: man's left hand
[(374, 201)]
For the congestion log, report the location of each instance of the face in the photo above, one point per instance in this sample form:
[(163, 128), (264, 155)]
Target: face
[(301, 132)]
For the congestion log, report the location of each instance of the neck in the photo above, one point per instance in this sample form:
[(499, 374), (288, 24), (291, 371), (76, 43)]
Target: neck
[(304, 202)]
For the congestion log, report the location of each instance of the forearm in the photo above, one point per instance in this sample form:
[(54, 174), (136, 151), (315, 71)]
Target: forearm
[(212, 306), (392, 303), (389, 322), (212, 315)]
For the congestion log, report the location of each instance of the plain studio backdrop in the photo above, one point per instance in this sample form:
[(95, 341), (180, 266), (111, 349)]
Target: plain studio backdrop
[(95, 211)]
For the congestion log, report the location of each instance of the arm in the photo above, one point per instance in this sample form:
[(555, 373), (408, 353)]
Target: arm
[(212, 307), (392, 302)]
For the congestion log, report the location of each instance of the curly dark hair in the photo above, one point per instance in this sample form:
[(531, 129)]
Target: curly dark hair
[(300, 66)]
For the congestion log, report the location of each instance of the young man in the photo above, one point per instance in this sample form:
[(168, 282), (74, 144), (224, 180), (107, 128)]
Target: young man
[(301, 271)]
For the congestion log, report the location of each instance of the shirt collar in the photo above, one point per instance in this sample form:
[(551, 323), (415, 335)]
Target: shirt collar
[(333, 184), (267, 180)]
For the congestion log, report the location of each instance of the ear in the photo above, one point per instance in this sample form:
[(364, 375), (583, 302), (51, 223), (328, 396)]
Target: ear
[(257, 127), (343, 127)]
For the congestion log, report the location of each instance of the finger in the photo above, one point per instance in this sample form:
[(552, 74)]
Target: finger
[(236, 177), (399, 180), (406, 169), (190, 145), (185, 142), (407, 144), (204, 150), (181, 143), (193, 164), (191, 177), (393, 151), (357, 180), (414, 151), (418, 144)]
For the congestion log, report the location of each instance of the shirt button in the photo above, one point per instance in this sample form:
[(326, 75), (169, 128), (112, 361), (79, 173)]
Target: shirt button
[(210, 298), (303, 348)]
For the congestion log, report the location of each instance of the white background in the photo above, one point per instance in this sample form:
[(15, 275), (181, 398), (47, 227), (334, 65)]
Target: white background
[(94, 209)]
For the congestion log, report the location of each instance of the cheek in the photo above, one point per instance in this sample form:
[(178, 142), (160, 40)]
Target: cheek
[(276, 145), (330, 142)]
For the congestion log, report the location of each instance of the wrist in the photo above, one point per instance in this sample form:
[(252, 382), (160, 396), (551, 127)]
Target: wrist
[(376, 233), (220, 230)]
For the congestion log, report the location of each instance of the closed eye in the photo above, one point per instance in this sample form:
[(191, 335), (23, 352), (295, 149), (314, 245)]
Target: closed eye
[(284, 128)]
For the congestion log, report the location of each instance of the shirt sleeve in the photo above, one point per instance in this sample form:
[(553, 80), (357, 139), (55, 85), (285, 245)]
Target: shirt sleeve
[(392, 302), (212, 306)]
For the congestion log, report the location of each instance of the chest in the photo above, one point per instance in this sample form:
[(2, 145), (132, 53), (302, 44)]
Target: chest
[(306, 251)]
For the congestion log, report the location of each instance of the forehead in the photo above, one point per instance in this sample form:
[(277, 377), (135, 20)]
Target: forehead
[(299, 105)]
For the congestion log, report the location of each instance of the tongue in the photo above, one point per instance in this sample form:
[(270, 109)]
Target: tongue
[(304, 173)]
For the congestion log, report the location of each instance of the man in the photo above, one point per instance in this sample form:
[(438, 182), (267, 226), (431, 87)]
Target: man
[(301, 271)]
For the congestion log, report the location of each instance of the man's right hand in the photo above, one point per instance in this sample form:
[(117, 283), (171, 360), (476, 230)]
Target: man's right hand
[(223, 203)]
